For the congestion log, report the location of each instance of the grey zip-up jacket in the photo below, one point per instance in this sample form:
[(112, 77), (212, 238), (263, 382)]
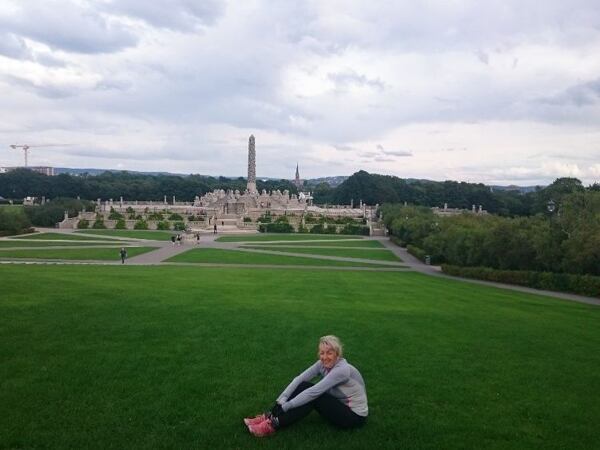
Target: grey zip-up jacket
[(343, 382)]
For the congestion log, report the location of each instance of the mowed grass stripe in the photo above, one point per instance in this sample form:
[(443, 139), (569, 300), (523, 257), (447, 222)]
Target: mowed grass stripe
[(80, 254), (381, 255), (137, 234), (284, 237), (61, 237), (146, 362), (358, 243), (34, 244), (221, 256)]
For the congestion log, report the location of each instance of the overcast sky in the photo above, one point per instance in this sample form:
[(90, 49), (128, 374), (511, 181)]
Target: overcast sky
[(488, 91)]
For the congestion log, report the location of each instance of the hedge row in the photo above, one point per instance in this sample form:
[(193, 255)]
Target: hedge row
[(417, 252), (578, 284)]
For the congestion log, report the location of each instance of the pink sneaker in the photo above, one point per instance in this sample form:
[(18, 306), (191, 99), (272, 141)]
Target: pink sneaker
[(264, 428), (255, 420)]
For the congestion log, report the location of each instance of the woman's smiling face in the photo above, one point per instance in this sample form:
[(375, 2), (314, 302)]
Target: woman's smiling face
[(328, 356)]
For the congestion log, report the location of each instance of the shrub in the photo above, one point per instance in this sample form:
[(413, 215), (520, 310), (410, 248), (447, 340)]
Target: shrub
[(13, 221), (99, 224), (140, 225), (416, 252), (179, 226), (354, 228), (175, 217), (276, 228), (155, 216), (247, 220), (309, 218), (265, 218), (120, 225), (130, 210), (163, 225), (83, 224), (317, 229), (114, 215)]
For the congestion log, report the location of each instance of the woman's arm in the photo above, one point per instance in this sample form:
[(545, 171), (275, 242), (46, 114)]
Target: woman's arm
[(337, 376), (307, 375)]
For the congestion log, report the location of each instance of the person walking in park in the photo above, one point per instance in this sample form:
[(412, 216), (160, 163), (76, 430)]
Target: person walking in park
[(339, 396), (173, 240), (198, 238), (215, 229), (123, 254), (179, 239)]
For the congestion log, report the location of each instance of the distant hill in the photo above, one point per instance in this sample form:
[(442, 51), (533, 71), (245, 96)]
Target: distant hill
[(332, 181)]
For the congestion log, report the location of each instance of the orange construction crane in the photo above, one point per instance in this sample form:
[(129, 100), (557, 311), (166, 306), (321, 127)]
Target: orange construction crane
[(26, 148)]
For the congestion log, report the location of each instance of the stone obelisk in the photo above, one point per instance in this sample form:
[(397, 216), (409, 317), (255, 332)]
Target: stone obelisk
[(251, 165)]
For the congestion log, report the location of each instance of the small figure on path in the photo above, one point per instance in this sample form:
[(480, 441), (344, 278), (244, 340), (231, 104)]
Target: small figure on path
[(339, 396), (173, 240), (215, 229), (198, 238), (179, 239), (123, 254)]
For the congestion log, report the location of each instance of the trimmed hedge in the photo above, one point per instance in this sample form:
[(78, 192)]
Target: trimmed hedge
[(565, 282), (276, 228), (417, 252)]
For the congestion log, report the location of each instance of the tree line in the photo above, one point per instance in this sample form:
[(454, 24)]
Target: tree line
[(21, 183), (563, 238), (370, 188)]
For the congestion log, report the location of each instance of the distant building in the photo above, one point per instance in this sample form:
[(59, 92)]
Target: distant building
[(49, 171)]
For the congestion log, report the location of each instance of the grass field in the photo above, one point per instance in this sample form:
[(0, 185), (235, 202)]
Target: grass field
[(284, 237), (381, 255), (174, 357), (61, 237), (353, 243), (220, 256), (138, 234), (36, 243), (100, 254)]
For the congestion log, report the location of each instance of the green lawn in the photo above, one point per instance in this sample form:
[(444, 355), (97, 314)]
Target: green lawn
[(175, 357), (284, 237), (62, 237), (100, 254), (138, 234), (382, 255), (22, 243), (220, 256), (353, 243)]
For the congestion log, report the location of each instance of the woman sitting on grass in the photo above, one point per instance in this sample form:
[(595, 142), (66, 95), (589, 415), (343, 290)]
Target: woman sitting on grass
[(339, 396)]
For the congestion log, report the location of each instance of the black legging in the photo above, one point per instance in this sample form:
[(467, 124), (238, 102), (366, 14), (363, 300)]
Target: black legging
[(326, 405)]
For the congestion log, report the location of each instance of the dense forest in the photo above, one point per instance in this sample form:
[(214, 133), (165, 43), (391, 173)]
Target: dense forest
[(370, 188)]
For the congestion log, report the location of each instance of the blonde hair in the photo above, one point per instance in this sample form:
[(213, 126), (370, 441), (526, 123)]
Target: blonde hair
[(333, 342)]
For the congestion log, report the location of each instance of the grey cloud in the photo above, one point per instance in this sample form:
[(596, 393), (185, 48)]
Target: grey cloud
[(178, 15), (397, 152), (48, 91), (583, 94), (400, 153), (68, 26), (382, 159), (350, 77), (14, 46), (344, 148), (483, 57)]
